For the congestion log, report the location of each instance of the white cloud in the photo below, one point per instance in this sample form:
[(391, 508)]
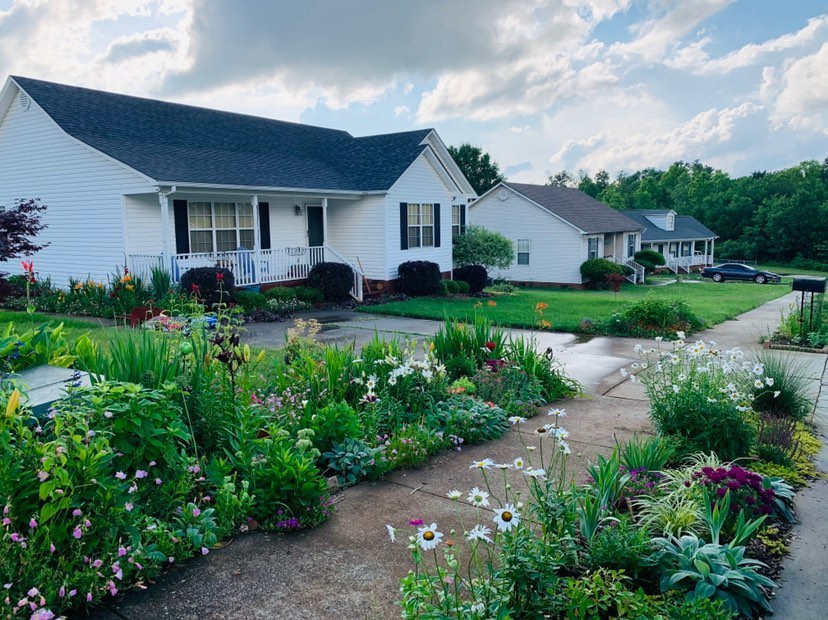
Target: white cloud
[(803, 96), (140, 44), (402, 110)]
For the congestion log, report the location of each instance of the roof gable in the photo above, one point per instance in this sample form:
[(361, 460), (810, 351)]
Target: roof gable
[(685, 227), (177, 143), (577, 208)]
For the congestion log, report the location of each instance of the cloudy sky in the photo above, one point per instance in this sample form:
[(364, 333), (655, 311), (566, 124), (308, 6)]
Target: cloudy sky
[(543, 85)]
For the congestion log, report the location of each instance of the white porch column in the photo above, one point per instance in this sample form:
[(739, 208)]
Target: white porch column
[(706, 250), (325, 222), (257, 240), (712, 250), (164, 202)]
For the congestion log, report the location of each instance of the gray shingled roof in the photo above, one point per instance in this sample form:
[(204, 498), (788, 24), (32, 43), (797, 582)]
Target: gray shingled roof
[(579, 209), (686, 227), (180, 143)]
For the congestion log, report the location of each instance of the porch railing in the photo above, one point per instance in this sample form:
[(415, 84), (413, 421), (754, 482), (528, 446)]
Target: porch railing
[(637, 276), (250, 267), (684, 263)]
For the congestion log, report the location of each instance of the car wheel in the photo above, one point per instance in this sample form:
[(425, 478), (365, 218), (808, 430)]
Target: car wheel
[(717, 277), (760, 279)]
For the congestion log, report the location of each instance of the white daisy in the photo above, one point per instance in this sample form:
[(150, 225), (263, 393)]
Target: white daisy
[(428, 537), (776, 394), (478, 498), (484, 464), (506, 518), (769, 381), (535, 473), (504, 466), (675, 388), (479, 532), (638, 348), (392, 533), (519, 463), (624, 372), (516, 419), (371, 383), (561, 433), (681, 335), (634, 365), (758, 384), (558, 413), (759, 370), (659, 338), (454, 494), (565, 447), (531, 448)]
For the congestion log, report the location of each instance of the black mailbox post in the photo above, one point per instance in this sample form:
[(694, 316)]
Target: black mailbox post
[(812, 286)]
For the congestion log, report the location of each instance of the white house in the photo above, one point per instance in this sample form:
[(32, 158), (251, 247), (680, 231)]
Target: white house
[(150, 184), (554, 230), (684, 241)]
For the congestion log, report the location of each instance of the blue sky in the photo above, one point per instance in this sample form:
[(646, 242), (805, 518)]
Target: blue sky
[(543, 85)]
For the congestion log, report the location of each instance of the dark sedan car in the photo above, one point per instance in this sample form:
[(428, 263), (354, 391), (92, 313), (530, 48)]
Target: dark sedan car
[(737, 271)]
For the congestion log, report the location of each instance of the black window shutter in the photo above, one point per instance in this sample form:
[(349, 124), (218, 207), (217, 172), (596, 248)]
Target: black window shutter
[(264, 225), (182, 228), (462, 219), (437, 225), (403, 225)]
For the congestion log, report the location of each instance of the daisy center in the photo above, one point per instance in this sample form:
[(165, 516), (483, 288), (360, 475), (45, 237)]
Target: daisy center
[(428, 536), (506, 516)]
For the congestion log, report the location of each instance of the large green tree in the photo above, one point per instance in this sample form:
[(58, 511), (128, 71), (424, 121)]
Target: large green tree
[(480, 169)]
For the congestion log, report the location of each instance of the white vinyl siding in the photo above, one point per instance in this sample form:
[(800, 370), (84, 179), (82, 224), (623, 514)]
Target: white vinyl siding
[(556, 247), (356, 229), (83, 190), (419, 184)]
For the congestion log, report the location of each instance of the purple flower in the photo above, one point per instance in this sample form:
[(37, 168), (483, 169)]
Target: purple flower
[(122, 552), (88, 597), (120, 475), (52, 548), (76, 512), (32, 523), (140, 474), (196, 512), (158, 481), (204, 551), (128, 506), (62, 592), (97, 563), (721, 492), (77, 534)]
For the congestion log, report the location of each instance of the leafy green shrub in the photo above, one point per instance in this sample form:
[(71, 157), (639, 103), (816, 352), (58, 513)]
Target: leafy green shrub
[(654, 317), (212, 284), (412, 444), (465, 347), (286, 306), (282, 293), (596, 270), (501, 286), (651, 256), (333, 424), (160, 283), (250, 301), (715, 571), (475, 276), (622, 545), (309, 294), (335, 280), (510, 387), (468, 419), (454, 287), (354, 460), (479, 246), (419, 277)]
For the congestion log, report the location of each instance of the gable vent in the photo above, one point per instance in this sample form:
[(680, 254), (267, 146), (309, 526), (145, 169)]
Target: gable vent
[(24, 100)]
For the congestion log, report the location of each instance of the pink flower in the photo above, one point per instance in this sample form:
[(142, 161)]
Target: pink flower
[(122, 552), (120, 475), (62, 592), (52, 548), (87, 523), (76, 512), (128, 506), (415, 522), (171, 559), (32, 523), (88, 597), (140, 474), (158, 481), (112, 589), (42, 475), (208, 499), (77, 534), (6, 521), (97, 563), (196, 512), (152, 463), (204, 551), (33, 592), (72, 592)]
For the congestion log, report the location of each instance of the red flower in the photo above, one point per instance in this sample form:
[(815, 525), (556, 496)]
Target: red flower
[(195, 288), (491, 345), (219, 276)]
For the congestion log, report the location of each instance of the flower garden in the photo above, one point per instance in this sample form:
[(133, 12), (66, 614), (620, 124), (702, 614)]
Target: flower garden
[(186, 438), (669, 526)]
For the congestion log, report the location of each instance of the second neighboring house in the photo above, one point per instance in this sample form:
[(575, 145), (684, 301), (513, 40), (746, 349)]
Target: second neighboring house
[(685, 242), (152, 184), (554, 230)]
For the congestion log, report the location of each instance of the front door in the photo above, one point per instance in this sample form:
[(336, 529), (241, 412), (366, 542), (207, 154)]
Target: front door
[(316, 230)]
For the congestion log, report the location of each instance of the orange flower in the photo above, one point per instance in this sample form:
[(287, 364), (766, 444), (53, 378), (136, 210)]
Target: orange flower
[(126, 278), (492, 304), (541, 306), (544, 324)]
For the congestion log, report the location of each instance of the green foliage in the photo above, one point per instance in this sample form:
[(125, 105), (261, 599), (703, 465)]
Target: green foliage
[(474, 276), (788, 395), (597, 270), (412, 444), (419, 277), (510, 387), (353, 460), (282, 293), (649, 453), (622, 545), (468, 419), (478, 167), (715, 571), (309, 294), (250, 301), (213, 285), (333, 424), (454, 287), (479, 246), (465, 347), (543, 368), (651, 256), (43, 344), (335, 280), (654, 317), (160, 283)]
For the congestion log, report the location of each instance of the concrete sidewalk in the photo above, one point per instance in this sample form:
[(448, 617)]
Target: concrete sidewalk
[(347, 568)]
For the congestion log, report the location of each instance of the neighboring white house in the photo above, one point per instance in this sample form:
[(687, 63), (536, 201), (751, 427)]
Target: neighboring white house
[(554, 230), (685, 242), (150, 184)]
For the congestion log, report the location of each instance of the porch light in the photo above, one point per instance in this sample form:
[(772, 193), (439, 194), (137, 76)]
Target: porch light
[(297, 210)]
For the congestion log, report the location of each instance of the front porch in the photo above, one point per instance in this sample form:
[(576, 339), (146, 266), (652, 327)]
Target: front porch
[(249, 267)]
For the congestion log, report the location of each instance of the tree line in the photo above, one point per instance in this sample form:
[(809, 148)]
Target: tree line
[(776, 216)]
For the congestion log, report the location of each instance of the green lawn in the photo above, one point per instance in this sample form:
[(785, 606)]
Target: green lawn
[(567, 307), (786, 270)]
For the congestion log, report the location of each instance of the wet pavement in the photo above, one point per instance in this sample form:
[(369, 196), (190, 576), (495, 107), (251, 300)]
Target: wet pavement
[(347, 568)]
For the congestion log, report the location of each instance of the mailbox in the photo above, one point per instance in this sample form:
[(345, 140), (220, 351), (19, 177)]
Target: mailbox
[(809, 285)]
